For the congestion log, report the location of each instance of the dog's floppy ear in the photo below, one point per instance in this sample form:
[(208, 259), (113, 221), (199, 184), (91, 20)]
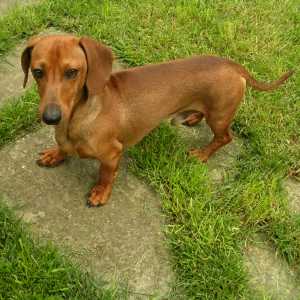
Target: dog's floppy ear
[(26, 57), (99, 64)]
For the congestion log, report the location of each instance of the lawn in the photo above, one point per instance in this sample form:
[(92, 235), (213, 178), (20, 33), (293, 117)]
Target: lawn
[(208, 224)]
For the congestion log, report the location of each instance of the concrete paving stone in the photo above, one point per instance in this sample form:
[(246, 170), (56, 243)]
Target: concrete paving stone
[(268, 272), (123, 240)]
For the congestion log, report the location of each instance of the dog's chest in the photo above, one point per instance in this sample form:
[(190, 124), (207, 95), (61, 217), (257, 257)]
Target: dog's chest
[(83, 120), (79, 136), (77, 132)]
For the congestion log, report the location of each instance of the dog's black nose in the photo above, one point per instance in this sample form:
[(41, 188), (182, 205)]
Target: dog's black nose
[(52, 114)]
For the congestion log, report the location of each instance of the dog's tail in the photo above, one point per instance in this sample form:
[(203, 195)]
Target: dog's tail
[(264, 86)]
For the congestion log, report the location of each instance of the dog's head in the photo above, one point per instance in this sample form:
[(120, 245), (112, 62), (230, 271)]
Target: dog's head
[(67, 69)]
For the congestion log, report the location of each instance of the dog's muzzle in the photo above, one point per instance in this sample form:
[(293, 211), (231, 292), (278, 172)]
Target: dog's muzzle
[(52, 114)]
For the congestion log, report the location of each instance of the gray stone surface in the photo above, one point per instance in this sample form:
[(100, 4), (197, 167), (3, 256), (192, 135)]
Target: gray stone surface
[(120, 241), (292, 187), (269, 274)]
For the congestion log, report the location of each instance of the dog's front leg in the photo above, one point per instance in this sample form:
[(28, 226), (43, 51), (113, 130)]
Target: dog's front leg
[(107, 174), (51, 157), (55, 156), (101, 192)]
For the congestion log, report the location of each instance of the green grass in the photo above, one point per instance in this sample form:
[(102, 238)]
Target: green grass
[(207, 223), (31, 272), (205, 238), (18, 116)]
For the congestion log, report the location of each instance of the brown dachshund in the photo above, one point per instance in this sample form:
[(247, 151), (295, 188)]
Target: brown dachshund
[(98, 113)]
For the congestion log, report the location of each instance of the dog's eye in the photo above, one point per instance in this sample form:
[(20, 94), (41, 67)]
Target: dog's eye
[(71, 73), (37, 73)]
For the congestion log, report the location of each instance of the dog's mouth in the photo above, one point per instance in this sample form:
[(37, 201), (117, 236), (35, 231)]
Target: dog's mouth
[(52, 114)]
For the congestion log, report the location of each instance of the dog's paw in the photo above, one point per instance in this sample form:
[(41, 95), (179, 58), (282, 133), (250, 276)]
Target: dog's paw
[(98, 196), (199, 154), (50, 158)]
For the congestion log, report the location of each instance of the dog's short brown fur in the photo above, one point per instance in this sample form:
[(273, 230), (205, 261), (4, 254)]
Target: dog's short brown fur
[(101, 113)]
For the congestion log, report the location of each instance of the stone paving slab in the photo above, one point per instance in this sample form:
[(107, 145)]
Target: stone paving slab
[(123, 240), (269, 273)]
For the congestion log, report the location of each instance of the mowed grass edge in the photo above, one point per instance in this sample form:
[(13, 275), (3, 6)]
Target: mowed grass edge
[(207, 224)]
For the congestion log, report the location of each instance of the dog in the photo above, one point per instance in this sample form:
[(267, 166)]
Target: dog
[(98, 113)]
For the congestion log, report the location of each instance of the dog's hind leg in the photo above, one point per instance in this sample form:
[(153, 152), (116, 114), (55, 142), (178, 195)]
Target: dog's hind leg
[(220, 139), (220, 126)]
